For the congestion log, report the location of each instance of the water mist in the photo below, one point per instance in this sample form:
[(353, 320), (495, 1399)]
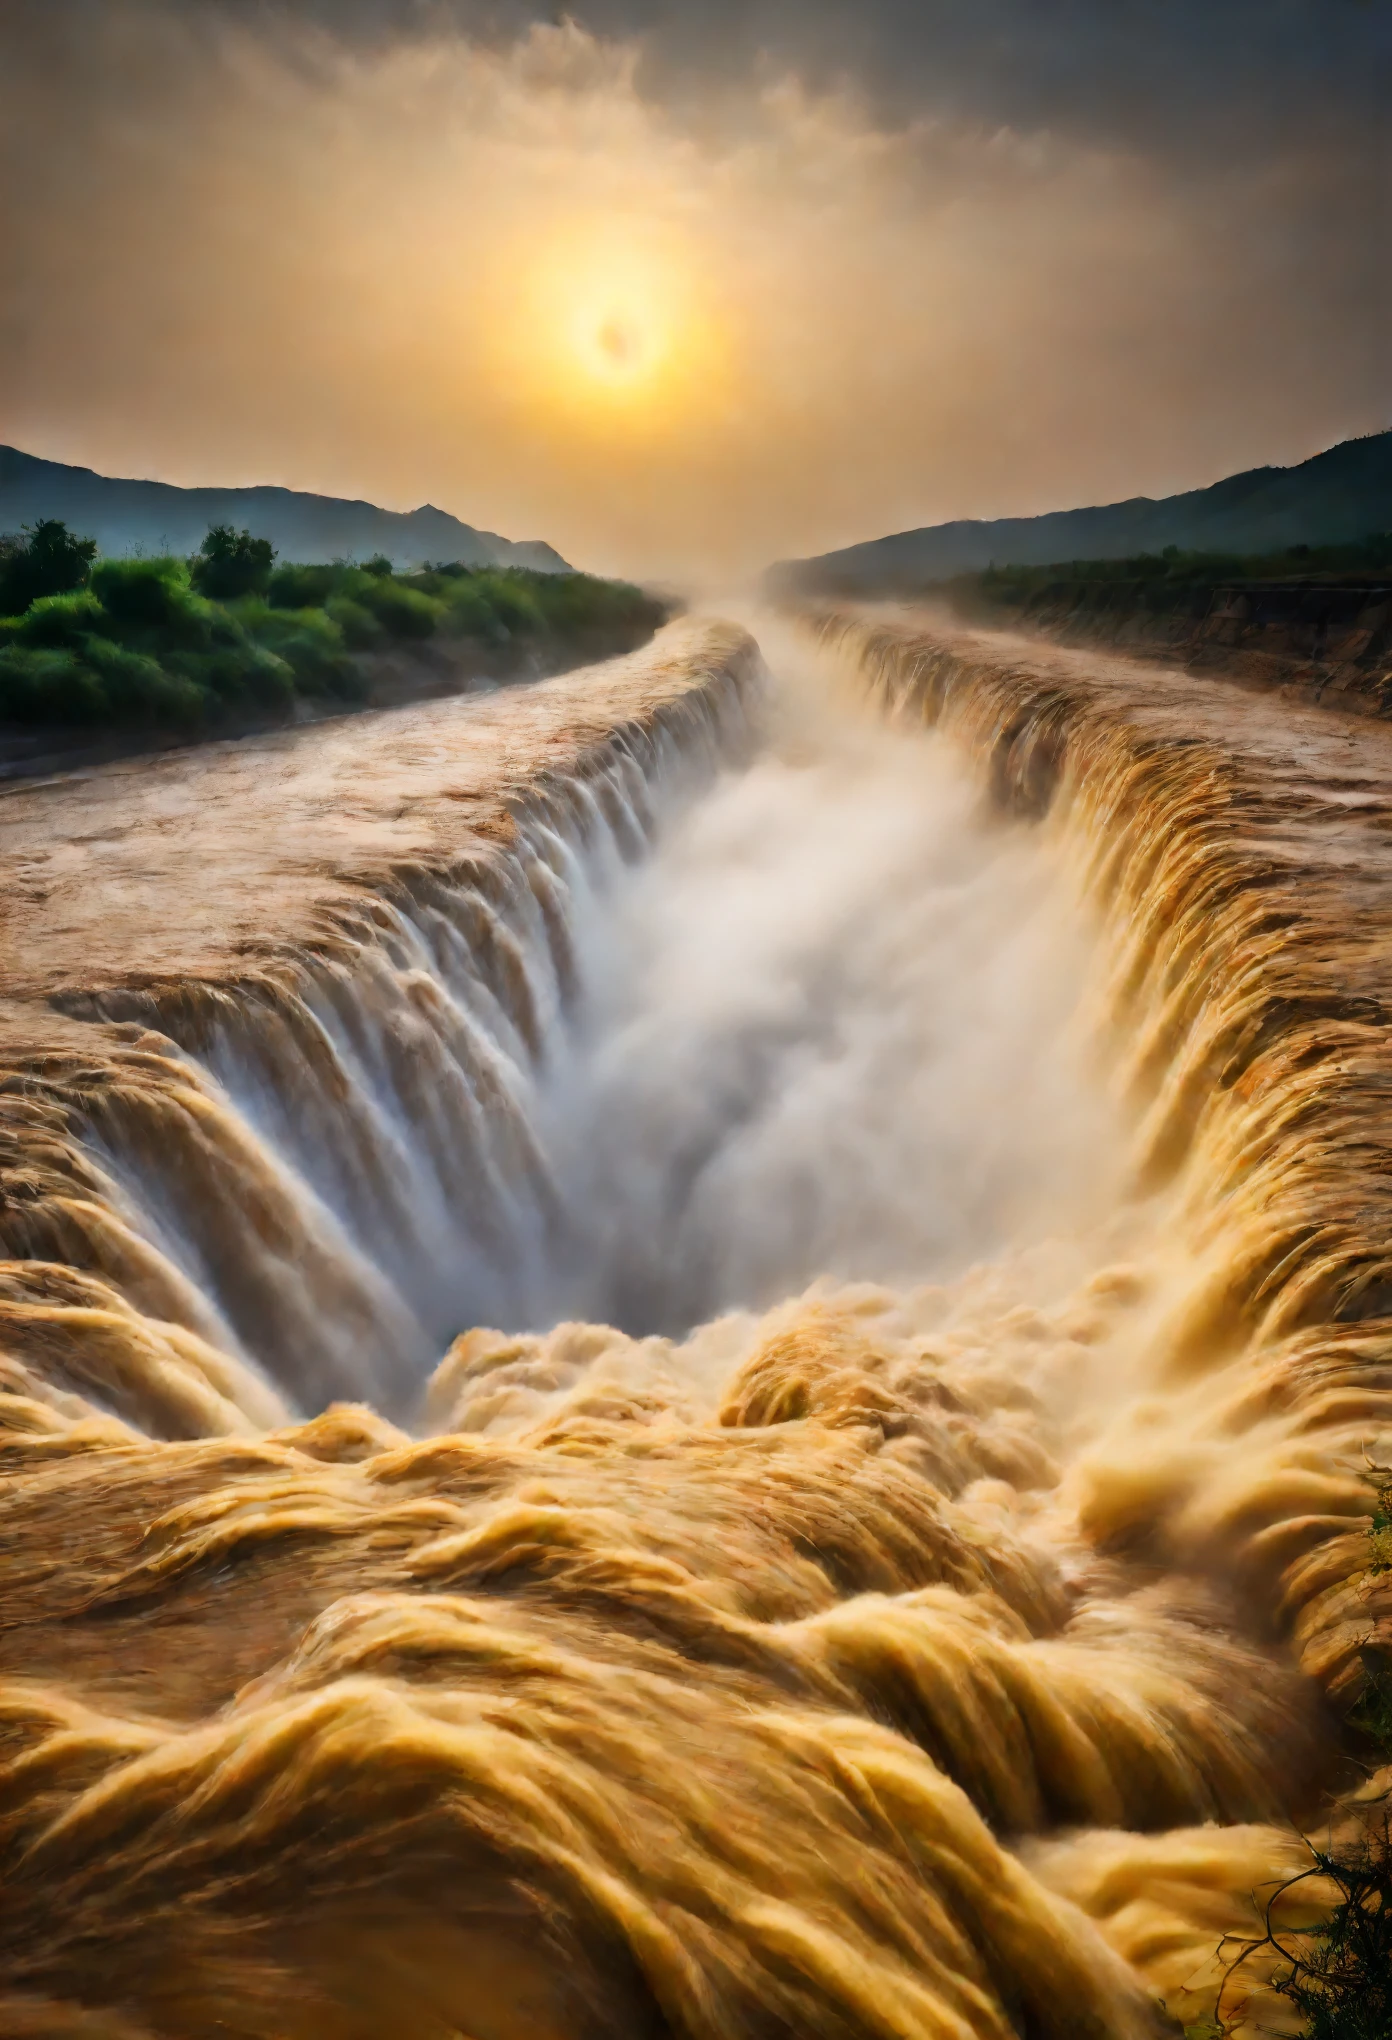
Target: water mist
[(829, 1028)]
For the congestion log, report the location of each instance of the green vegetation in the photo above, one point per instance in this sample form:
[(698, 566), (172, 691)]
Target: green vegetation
[(1175, 572), (1338, 1975), (230, 636), (46, 560), (232, 563), (1341, 1983)]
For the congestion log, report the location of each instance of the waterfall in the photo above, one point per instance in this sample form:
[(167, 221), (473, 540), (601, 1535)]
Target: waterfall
[(329, 1166), (739, 1404)]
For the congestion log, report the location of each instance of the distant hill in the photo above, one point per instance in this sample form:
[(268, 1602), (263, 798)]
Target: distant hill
[(1339, 496), (154, 517)]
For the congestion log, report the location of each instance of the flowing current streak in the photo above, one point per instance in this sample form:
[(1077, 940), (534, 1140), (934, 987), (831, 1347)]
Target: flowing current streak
[(928, 1660)]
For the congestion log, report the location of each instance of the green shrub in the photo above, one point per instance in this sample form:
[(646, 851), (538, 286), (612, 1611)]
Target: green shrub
[(1338, 1972), (146, 640), (403, 612), (292, 586), (313, 649), (231, 563), (1341, 1982), (58, 620), (470, 613), (138, 688), (581, 605), (38, 685), (45, 559), (149, 595), (1164, 572), (310, 643), (245, 677), (332, 675), (360, 628), (1338, 1976), (516, 608)]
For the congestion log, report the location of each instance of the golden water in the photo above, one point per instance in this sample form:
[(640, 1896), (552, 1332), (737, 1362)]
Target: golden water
[(929, 1605)]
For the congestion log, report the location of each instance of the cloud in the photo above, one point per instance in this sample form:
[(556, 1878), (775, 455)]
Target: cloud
[(885, 265), (1173, 76)]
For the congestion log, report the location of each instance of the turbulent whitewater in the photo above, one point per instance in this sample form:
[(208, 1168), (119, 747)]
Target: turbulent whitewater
[(693, 1352)]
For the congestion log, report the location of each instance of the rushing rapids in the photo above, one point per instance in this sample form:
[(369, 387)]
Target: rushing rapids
[(686, 1361)]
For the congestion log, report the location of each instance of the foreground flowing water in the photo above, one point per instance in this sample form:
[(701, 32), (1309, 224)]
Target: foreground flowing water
[(692, 1352)]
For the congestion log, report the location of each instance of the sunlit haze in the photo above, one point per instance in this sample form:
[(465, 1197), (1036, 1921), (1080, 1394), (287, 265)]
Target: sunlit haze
[(677, 319)]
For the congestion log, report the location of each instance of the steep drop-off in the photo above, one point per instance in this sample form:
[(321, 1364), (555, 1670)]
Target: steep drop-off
[(275, 1001), (953, 1649)]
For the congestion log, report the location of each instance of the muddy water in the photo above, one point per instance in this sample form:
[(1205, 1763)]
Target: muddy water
[(691, 1352)]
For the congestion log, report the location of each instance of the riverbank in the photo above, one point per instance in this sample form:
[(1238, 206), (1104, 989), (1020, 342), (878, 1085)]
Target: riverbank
[(1326, 641), (134, 656)]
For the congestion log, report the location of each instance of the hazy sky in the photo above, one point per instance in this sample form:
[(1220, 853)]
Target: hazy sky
[(685, 284)]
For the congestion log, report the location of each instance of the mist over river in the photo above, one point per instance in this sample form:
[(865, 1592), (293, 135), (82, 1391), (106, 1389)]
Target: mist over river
[(828, 1027)]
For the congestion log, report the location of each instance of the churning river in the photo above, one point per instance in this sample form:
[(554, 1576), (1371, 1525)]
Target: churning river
[(693, 1353)]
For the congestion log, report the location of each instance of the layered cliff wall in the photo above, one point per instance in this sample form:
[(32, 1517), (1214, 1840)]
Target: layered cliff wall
[(1328, 643)]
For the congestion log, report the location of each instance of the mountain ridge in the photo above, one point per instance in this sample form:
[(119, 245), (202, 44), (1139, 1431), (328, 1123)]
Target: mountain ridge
[(1335, 497), (128, 515)]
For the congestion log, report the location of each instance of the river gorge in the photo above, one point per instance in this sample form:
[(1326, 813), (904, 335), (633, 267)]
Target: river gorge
[(695, 1350)]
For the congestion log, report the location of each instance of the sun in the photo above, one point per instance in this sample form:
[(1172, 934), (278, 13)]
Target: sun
[(611, 330), (620, 342), (619, 318)]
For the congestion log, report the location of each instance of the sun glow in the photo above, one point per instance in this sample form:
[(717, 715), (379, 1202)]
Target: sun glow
[(617, 331), (620, 343)]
